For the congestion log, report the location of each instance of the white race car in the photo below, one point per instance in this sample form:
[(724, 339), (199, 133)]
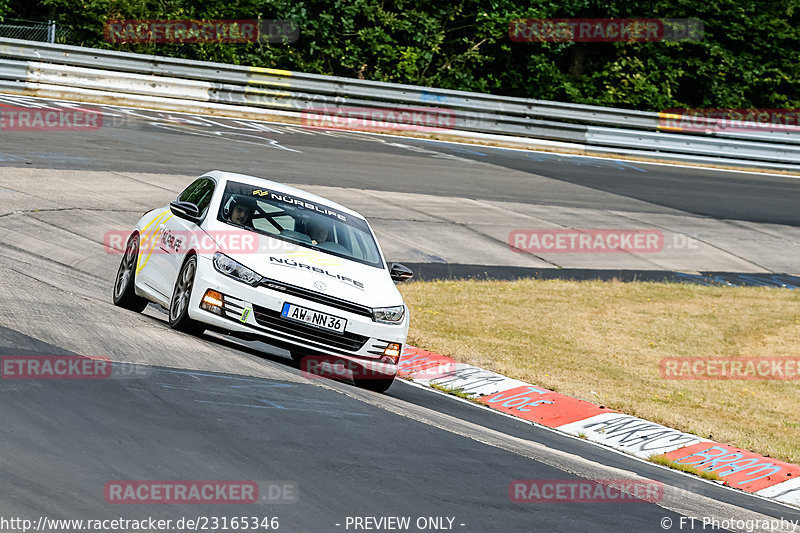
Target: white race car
[(260, 260)]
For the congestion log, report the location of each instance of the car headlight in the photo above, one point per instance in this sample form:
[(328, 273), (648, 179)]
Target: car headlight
[(225, 265), (389, 315)]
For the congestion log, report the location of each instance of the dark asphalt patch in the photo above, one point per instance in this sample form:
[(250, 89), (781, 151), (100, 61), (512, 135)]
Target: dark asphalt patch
[(450, 271)]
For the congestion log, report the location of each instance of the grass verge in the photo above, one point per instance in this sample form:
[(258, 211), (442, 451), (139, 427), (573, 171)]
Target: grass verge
[(604, 342), (705, 474), (455, 392)]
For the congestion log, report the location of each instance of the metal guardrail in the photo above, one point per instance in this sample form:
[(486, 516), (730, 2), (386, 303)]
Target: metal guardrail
[(694, 146), (35, 67)]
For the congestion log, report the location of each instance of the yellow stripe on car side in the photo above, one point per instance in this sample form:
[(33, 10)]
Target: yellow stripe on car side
[(149, 238)]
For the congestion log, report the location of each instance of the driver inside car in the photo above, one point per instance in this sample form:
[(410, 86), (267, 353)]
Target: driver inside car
[(317, 229), (241, 211)]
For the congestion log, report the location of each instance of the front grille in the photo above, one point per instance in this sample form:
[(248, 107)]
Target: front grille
[(273, 320), (314, 296)]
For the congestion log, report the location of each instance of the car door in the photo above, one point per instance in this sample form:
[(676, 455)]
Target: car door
[(175, 235)]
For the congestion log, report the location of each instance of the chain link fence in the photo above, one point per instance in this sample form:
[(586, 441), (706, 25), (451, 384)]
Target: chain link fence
[(48, 32)]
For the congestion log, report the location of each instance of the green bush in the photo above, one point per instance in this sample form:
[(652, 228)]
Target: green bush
[(749, 56)]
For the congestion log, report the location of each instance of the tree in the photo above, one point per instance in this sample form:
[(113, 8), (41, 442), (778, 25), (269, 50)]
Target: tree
[(748, 57)]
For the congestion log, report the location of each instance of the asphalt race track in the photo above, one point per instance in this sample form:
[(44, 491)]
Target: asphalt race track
[(142, 141), (178, 407), (346, 457)]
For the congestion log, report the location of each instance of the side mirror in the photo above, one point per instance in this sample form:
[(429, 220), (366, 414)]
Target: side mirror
[(400, 272), (185, 210)]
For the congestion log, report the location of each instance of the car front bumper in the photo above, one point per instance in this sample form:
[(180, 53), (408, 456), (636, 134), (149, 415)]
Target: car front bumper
[(363, 340)]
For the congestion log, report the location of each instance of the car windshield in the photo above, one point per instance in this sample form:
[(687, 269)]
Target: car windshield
[(300, 221)]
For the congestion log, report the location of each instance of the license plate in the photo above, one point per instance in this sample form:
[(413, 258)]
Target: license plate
[(314, 318)]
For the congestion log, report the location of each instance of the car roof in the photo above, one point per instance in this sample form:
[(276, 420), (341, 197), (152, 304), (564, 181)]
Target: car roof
[(282, 188)]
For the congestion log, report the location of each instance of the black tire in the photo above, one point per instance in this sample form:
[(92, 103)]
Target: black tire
[(181, 295), (124, 292), (374, 384)]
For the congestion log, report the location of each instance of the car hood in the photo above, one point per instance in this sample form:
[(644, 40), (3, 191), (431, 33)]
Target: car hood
[(318, 271)]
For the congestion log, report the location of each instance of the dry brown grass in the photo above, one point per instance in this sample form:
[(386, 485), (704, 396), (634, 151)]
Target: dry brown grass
[(603, 341)]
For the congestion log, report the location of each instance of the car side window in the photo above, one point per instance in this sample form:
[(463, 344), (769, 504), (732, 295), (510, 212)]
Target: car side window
[(199, 193)]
